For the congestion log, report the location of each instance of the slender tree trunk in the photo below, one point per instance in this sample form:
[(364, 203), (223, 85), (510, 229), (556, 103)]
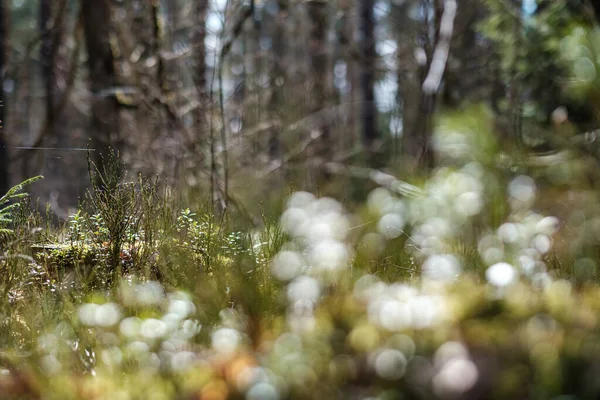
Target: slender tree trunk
[(418, 127), (4, 184), (514, 94), (157, 41), (172, 38), (200, 74), (346, 41), (51, 26), (165, 89), (403, 28), (278, 78), (247, 98), (370, 134), (47, 61), (320, 74), (100, 60), (461, 85)]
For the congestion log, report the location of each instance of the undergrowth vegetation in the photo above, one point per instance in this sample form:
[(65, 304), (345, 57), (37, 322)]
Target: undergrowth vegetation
[(480, 281), (474, 278)]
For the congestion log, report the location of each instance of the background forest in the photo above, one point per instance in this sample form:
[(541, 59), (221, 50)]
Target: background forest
[(299, 199), (257, 96)]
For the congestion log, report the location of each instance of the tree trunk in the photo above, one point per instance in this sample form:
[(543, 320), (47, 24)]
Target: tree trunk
[(157, 41), (165, 90), (403, 28), (51, 26), (172, 39), (46, 58), (100, 60), (514, 93), (346, 42), (370, 134), (247, 99), (278, 78), (4, 184), (320, 74), (418, 124), (200, 74)]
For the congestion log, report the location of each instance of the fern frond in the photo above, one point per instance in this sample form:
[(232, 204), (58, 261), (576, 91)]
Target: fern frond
[(14, 193), (8, 208)]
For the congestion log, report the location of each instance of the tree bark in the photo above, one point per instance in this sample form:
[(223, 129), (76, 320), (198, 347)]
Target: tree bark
[(200, 74), (4, 184), (46, 58), (370, 134), (51, 27), (418, 126), (346, 42), (100, 61), (278, 78), (514, 93), (320, 74)]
